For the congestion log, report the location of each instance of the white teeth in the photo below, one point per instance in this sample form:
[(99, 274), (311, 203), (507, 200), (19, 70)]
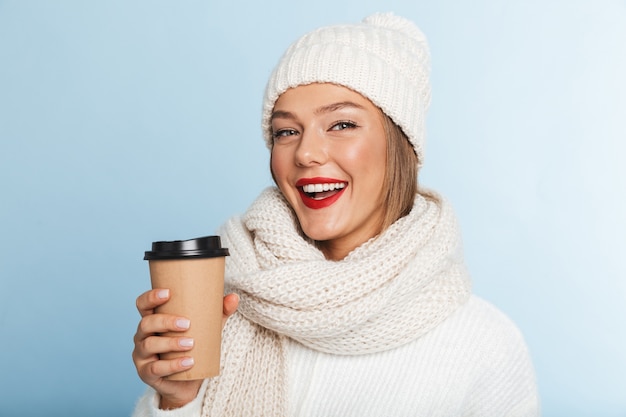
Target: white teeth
[(318, 188)]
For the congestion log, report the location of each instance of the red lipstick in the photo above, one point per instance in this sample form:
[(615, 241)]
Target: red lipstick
[(316, 202)]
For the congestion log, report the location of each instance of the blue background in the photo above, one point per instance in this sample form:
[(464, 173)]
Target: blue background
[(124, 122)]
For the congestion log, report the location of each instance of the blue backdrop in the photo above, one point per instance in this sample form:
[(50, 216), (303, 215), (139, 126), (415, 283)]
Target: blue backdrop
[(124, 122)]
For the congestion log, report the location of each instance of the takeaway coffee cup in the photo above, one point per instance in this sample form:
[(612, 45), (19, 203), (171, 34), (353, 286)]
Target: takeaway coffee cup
[(193, 271)]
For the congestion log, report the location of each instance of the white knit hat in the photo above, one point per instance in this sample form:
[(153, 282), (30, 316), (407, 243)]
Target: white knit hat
[(385, 58)]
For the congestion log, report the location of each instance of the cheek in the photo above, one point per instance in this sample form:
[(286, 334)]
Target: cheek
[(378, 154), (369, 158), (278, 167), (274, 164)]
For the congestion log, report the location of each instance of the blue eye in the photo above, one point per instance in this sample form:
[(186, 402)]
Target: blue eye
[(343, 125), (283, 133)]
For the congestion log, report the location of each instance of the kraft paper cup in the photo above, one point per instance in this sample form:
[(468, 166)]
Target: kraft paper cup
[(193, 271)]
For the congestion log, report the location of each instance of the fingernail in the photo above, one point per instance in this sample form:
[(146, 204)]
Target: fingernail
[(182, 323), (163, 294), (186, 342), (187, 362)]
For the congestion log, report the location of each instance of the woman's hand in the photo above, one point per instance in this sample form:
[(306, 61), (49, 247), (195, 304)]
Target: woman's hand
[(149, 344)]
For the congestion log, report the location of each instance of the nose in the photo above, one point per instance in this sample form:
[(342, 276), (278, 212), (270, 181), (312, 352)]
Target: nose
[(312, 149)]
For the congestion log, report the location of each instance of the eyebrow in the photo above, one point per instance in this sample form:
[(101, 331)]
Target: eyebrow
[(283, 114)]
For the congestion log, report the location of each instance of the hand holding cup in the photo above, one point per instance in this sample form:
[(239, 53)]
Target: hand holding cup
[(178, 340), (149, 344)]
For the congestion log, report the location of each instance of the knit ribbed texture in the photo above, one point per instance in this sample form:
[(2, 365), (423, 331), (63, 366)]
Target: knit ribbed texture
[(385, 58), (386, 293), (475, 364)]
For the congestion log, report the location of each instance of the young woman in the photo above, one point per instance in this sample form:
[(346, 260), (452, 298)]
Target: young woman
[(347, 292)]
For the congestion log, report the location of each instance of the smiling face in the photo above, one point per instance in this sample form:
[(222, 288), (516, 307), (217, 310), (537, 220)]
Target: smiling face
[(328, 159)]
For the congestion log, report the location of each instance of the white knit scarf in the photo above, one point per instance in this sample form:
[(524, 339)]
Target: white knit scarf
[(387, 292)]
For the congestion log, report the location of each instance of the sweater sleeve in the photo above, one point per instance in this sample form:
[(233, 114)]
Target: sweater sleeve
[(148, 405), (505, 385)]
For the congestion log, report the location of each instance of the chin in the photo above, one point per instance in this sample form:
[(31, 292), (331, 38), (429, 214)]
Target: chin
[(315, 233)]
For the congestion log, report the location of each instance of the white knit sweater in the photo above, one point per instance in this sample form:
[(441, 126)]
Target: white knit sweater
[(475, 363)]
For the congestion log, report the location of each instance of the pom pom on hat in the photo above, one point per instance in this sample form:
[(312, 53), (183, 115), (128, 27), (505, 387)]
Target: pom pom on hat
[(384, 58)]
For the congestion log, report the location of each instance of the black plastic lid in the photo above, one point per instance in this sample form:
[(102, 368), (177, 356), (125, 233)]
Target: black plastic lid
[(202, 247)]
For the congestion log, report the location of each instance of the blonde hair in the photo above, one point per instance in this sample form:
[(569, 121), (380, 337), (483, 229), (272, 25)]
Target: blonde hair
[(400, 183)]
